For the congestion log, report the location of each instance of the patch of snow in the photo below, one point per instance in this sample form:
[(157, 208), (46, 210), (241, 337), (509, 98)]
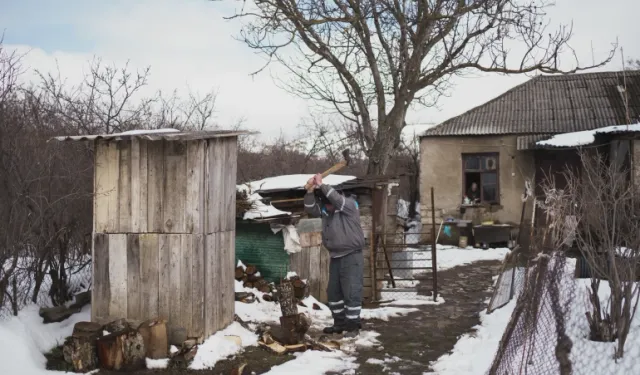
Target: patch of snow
[(157, 363), (148, 131), (173, 349), (292, 181), (105, 333), (367, 339), (261, 210), (240, 264), (313, 362), (384, 362), (291, 274), (452, 256), (416, 300), (586, 137), (386, 312), (474, 353), (217, 347), (25, 339)]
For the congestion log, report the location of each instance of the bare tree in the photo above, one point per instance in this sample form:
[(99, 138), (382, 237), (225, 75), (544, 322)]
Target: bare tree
[(370, 60), (633, 64), (598, 211)]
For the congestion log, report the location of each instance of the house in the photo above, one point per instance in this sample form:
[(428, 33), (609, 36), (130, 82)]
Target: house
[(278, 237), (499, 146)]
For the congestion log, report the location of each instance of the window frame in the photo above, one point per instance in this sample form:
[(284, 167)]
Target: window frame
[(464, 157)]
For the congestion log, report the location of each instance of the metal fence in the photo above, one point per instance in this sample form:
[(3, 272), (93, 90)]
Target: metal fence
[(404, 269), (549, 331)]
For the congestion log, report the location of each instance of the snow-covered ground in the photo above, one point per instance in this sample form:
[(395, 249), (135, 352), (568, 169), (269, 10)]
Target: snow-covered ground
[(24, 339), (474, 352)]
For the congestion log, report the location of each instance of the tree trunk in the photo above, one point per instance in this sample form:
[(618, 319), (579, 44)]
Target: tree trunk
[(387, 140), (123, 350), (154, 335), (294, 326), (80, 348)]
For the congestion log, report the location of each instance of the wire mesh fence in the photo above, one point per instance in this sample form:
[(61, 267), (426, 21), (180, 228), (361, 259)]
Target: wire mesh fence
[(550, 332), (21, 289)]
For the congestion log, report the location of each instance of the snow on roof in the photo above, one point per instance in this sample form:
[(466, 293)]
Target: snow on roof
[(586, 137), (292, 181), (166, 134), (262, 210)]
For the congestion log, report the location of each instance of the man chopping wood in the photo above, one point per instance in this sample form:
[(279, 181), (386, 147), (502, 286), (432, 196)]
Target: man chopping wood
[(342, 235)]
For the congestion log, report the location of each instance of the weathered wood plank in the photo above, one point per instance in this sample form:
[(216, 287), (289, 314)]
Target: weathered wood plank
[(118, 275), (100, 279), (134, 295), (227, 284), (214, 200), (194, 206), (139, 176), (186, 306), (211, 283), (175, 187), (324, 274), (314, 270), (197, 285), (155, 186), (164, 276), (112, 184), (100, 198), (229, 180), (149, 275), (175, 268), (124, 187)]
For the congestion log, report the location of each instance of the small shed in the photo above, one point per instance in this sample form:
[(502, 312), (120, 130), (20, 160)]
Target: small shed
[(164, 227), (279, 204)]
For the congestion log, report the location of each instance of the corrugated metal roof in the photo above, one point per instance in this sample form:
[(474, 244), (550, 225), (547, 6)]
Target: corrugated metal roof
[(551, 104), (155, 135), (528, 142)]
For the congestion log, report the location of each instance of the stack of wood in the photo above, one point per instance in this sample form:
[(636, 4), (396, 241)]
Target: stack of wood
[(300, 287), (120, 345), (251, 278)]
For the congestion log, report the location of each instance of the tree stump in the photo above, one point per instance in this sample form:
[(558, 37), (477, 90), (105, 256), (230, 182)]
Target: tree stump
[(79, 349), (122, 350), (154, 335), (294, 325)]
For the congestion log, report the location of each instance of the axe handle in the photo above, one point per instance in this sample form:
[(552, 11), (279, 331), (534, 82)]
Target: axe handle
[(329, 171)]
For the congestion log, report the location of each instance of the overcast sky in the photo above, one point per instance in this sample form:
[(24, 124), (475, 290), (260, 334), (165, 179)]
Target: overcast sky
[(188, 43)]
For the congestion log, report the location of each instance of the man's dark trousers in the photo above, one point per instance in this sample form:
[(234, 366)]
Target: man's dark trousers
[(344, 290)]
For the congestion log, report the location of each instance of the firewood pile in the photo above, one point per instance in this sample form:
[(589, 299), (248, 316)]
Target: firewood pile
[(123, 345), (251, 278)]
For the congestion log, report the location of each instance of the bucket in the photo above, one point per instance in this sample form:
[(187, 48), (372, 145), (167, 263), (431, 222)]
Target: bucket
[(462, 242)]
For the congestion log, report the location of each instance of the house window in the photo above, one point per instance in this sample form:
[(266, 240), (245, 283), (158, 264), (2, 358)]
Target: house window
[(480, 177)]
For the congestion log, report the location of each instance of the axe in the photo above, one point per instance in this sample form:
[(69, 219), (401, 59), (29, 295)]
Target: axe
[(336, 167)]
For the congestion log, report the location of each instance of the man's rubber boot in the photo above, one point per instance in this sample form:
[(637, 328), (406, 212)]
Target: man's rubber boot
[(352, 330), (333, 330)]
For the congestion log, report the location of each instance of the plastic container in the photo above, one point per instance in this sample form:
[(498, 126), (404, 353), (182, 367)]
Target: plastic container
[(462, 243)]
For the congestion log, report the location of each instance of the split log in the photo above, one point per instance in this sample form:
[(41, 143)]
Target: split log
[(254, 278), (294, 325), (263, 286), (301, 289), (79, 349), (251, 270), (248, 284), (242, 369), (267, 297), (245, 297), (155, 338), (118, 325), (122, 350), (239, 273)]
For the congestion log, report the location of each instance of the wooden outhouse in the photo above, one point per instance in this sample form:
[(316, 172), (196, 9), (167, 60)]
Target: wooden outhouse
[(164, 228)]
